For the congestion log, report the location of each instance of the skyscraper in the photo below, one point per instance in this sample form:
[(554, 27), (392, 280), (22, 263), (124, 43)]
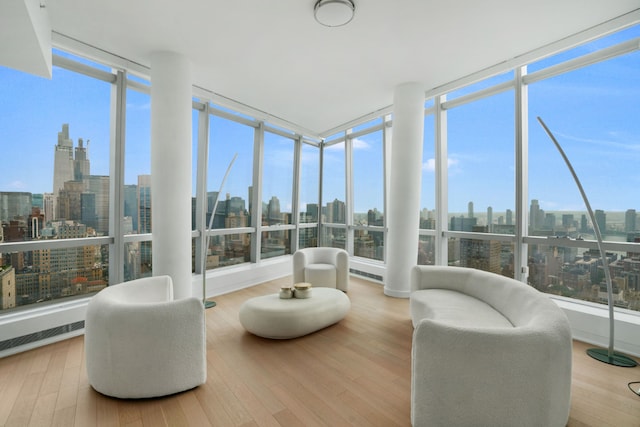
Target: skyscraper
[(62, 160), (49, 207), (81, 165), (630, 220), (99, 185), (144, 220), (536, 216), (14, 204), (336, 212), (68, 201), (273, 212), (601, 219), (131, 205), (470, 210), (144, 204)]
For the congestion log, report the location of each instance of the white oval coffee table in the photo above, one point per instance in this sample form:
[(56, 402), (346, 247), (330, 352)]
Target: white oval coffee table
[(269, 316)]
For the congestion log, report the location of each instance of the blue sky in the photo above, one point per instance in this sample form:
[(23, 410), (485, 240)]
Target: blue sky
[(594, 112)]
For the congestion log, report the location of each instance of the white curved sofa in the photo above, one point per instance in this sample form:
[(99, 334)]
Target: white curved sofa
[(140, 342), (487, 351), (322, 267)]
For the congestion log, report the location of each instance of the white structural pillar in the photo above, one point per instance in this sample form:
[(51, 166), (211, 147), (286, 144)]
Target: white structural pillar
[(403, 207), (171, 141)]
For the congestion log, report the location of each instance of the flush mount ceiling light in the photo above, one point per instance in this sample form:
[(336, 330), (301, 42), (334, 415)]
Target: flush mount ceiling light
[(334, 13)]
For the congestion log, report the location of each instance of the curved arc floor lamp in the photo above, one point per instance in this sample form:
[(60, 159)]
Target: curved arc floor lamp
[(209, 304), (604, 355)]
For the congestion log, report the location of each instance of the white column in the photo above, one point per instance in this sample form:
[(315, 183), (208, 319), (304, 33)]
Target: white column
[(403, 219), (171, 141)]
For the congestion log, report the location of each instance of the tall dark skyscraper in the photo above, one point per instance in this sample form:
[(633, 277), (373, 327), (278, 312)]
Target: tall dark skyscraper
[(536, 215), (144, 204), (630, 220), (312, 212), (336, 212), (131, 204), (144, 217), (99, 186), (601, 219), (81, 166), (273, 212)]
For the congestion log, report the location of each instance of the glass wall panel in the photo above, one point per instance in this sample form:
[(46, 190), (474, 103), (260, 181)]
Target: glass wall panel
[(593, 113), (586, 48), (481, 162), (428, 185), (333, 184), (54, 181), (368, 194), (137, 164), (228, 138), (309, 184), (194, 165), (277, 180), (43, 275), (137, 184), (368, 179)]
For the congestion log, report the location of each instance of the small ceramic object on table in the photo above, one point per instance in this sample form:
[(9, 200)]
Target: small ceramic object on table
[(286, 292), (302, 290)]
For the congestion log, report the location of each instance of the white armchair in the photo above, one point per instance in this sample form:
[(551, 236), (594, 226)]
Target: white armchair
[(322, 267), (140, 342)]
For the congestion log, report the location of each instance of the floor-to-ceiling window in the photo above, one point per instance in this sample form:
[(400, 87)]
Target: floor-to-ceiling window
[(54, 182), (481, 179), (308, 192), (277, 192), (428, 218), (368, 191), (590, 103), (137, 179), (333, 210), (230, 243)]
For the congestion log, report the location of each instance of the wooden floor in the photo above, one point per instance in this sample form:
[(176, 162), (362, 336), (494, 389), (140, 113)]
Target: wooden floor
[(357, 372)]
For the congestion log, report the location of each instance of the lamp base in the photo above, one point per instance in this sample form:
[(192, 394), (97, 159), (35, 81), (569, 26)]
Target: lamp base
[(616, 359), (209, 304)]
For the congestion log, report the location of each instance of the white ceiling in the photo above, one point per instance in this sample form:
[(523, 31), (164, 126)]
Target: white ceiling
[(274, 57)]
